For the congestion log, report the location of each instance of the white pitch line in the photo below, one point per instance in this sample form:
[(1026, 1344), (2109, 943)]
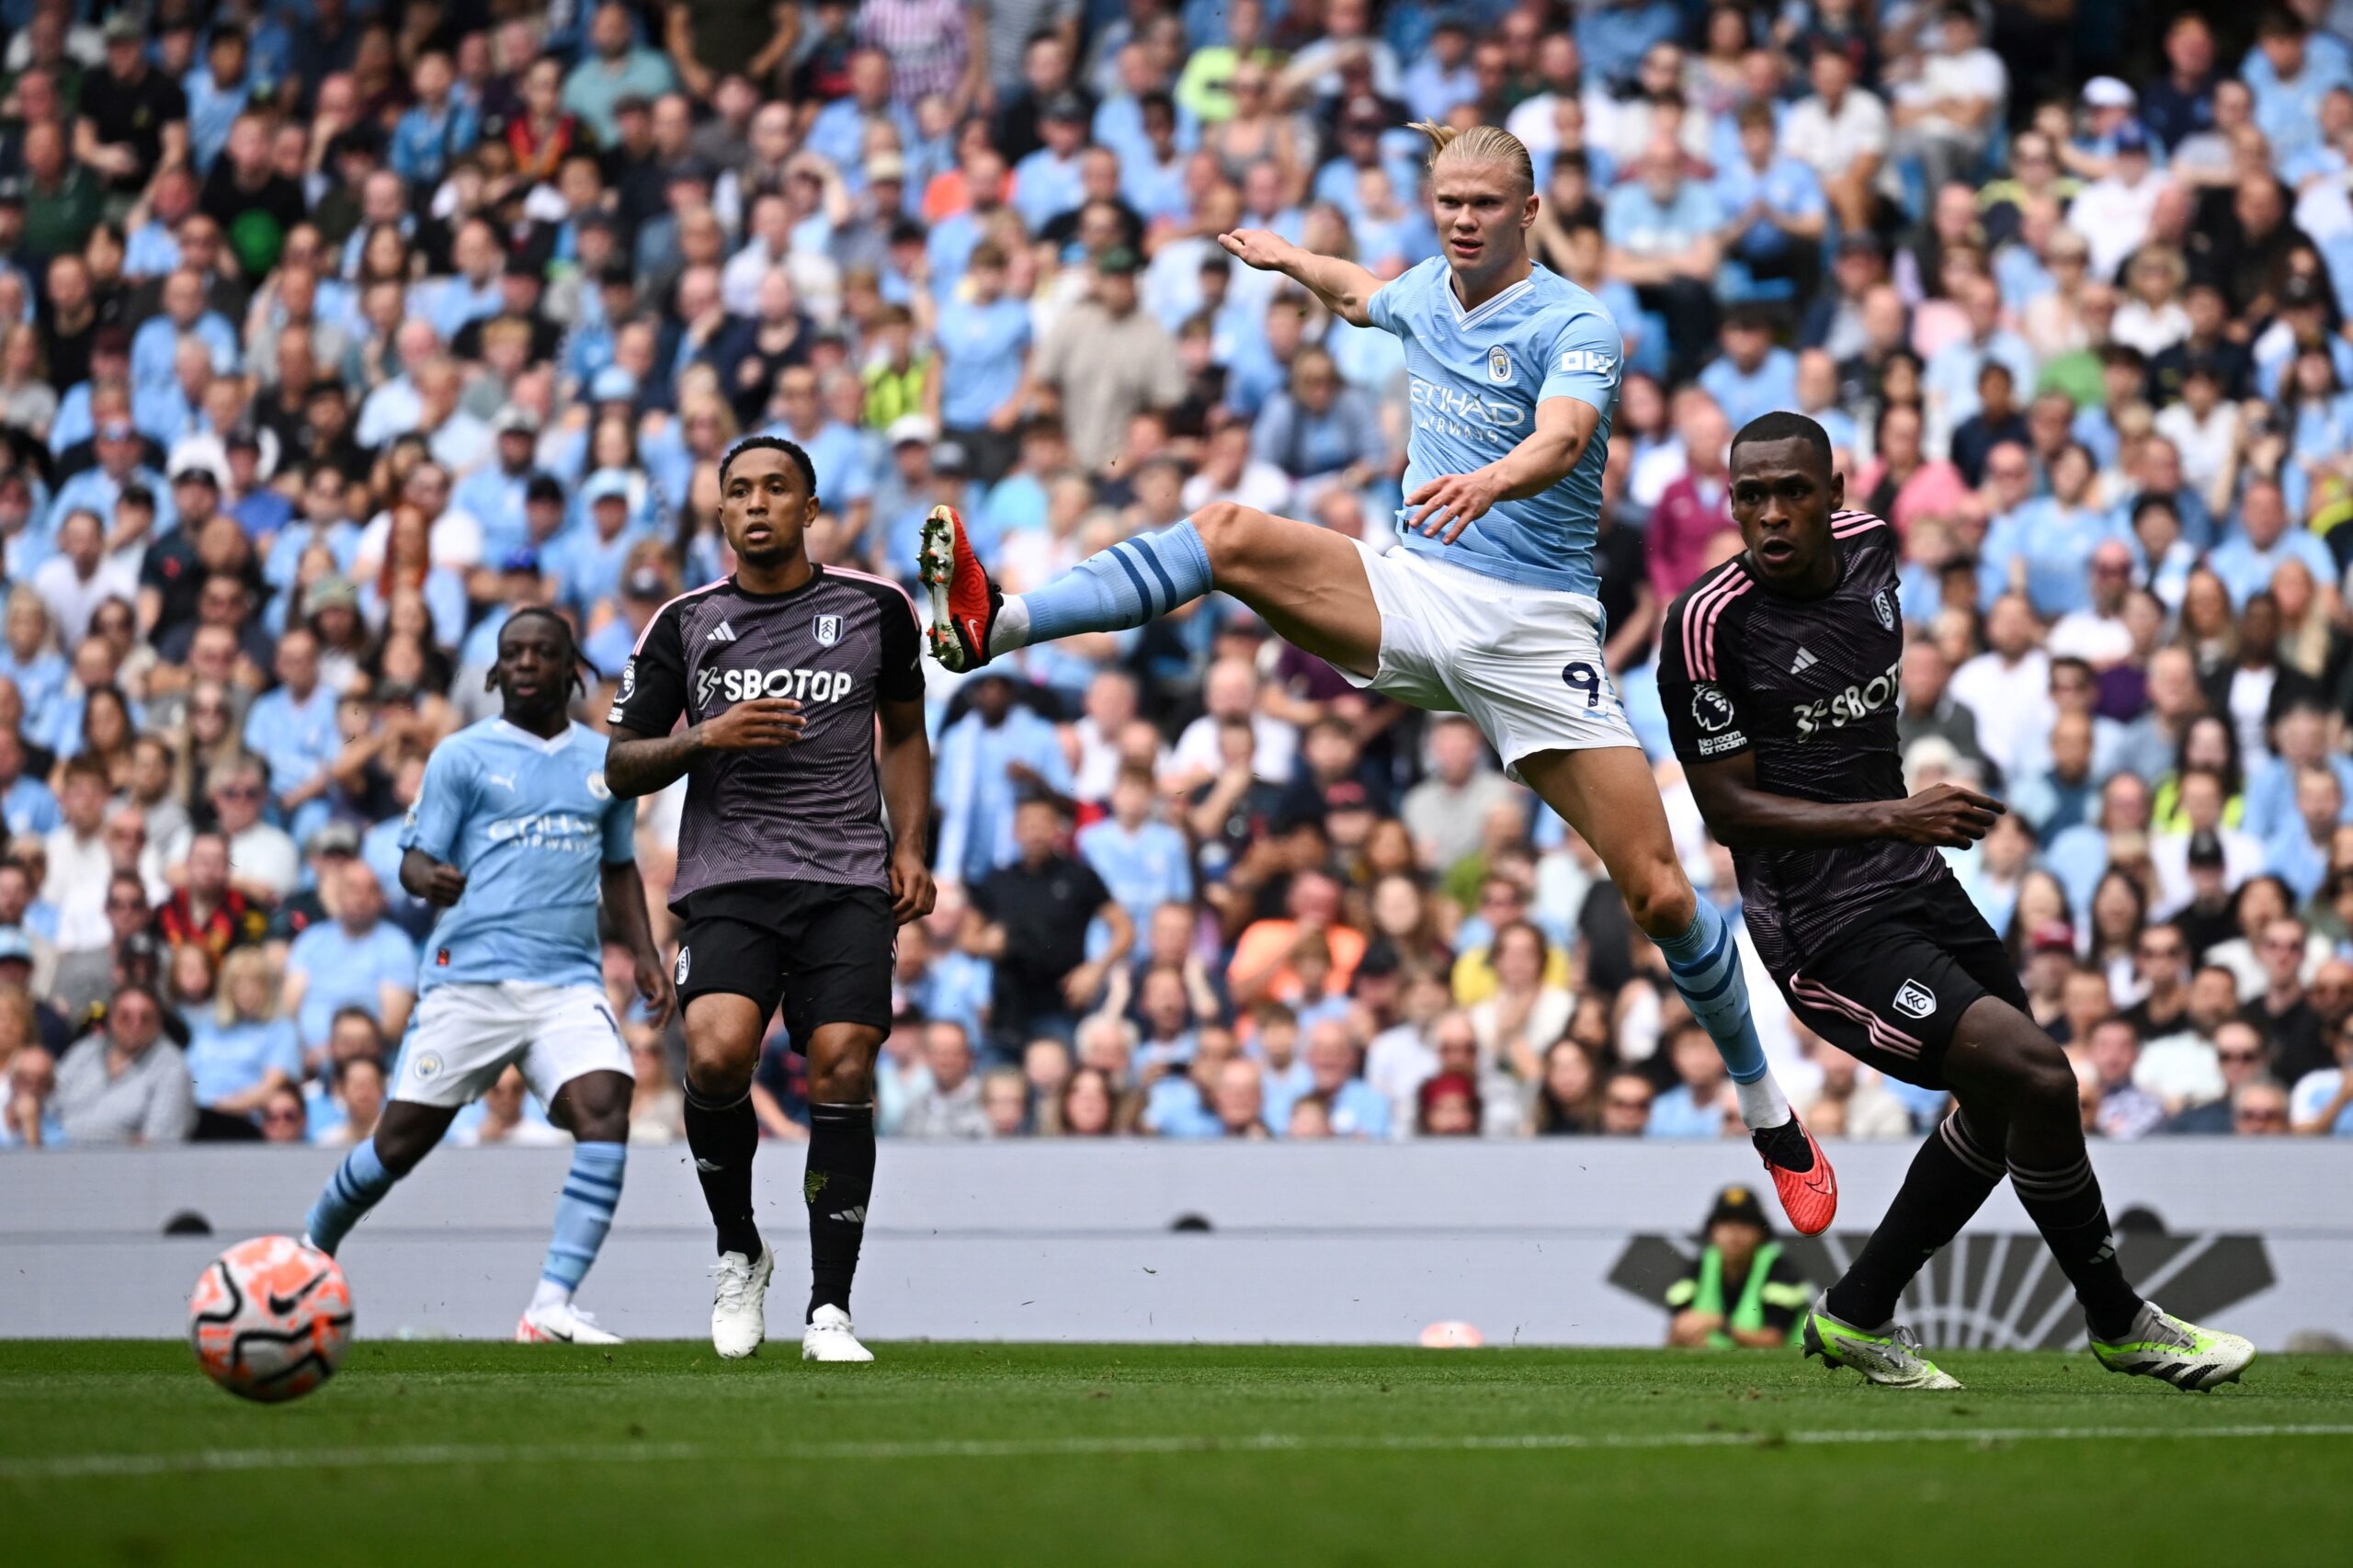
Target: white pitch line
[(69, 1467)]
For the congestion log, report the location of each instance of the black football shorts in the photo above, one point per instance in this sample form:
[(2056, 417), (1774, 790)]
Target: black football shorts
[(1890, 988), (824, 950)]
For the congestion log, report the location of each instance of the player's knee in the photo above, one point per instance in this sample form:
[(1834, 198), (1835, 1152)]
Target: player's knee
[(2043, 1085), (599, 1108), (398, 1150), (843, 1083), (717, 1070), (1226, 528), (1661, 901)]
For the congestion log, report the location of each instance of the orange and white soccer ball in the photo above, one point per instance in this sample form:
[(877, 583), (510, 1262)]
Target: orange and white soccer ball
[(270, 1319)]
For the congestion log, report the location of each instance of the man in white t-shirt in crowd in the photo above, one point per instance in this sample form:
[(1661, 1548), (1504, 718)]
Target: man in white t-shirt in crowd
[(2097, 633), (1945, 118), (1842, 133)]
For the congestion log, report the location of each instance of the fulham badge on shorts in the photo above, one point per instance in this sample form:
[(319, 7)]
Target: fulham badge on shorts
[(827, 630), (1914, 1000)]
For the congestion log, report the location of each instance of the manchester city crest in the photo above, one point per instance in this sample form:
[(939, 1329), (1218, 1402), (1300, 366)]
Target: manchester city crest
[(827, 630), (1498, 365)]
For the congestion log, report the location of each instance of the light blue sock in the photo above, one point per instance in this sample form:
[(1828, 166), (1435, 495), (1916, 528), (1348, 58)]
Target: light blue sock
[(585, 1212), (1136, 580), (1705, 962), (357, 1185)]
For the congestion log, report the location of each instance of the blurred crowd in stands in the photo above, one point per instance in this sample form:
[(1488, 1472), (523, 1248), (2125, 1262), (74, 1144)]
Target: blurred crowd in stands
[(332, 330)]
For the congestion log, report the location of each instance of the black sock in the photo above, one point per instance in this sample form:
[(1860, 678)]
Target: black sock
[(1954, 1172), (723, 1135), (2061, 1197), (839, 1181)]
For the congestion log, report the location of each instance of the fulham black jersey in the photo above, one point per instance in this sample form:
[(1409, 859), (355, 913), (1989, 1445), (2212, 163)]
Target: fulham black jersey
[(811, 812), (1812, 687)]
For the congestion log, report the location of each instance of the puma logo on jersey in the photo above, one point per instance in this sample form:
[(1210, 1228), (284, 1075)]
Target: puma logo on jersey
[(1803, 662), (722, 632)]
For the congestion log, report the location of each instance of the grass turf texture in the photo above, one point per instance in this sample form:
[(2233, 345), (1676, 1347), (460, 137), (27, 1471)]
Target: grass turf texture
[(466, 1453)]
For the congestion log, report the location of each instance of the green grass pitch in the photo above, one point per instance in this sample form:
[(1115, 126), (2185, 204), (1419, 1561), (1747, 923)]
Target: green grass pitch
[(450, 1454)]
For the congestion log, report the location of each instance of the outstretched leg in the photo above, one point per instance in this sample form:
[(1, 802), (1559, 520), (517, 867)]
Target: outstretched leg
[(1305, 582), (2000, 1059), (405, 1135)]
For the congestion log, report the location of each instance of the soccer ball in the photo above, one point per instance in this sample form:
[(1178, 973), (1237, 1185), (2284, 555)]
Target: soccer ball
[(270, 1318)]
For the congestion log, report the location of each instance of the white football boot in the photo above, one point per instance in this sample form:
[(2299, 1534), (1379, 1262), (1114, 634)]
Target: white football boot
[(739, 1303), (560, 1323), (829, 1337)]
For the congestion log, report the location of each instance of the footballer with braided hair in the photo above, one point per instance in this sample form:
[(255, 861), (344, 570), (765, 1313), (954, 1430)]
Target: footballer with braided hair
[(518, 840)]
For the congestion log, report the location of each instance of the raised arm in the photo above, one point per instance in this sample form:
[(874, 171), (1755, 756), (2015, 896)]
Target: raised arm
[(1344, 288), (1742, 816)]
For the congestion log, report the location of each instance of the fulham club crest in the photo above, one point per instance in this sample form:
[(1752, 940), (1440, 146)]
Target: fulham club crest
[(827, 630), (1883, 606)]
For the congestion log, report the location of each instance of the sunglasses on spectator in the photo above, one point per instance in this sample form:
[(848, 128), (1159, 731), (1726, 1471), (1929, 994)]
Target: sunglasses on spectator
[(241, 791), (2254, 1055), (1622, 1102), (2264, 1116), (2170, 950), (281, 1118)]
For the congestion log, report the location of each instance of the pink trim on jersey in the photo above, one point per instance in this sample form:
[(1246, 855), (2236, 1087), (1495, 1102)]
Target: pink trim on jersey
[(1847, 524), (1735, 585), (1878, 1028), (1694, 612), (639, 646), (871, 577)]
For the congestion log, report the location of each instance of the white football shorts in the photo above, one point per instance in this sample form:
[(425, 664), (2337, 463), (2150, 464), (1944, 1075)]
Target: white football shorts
[(465, 1033), (1522, 663)]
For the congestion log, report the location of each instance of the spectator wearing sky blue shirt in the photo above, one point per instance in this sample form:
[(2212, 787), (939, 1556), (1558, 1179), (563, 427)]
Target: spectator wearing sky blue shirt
[(1774, 210), (356, 959), (1334, 1068), (1319, 432), (494, 494), (845, 483), (2290, 72), (1144, 862), (441, 126), (2298, 850), (2047, 542), (1440, 75), (1752, 375), (1662, 230), (1151, 170), (240, 1049), (2253, 551), (587, 561), (1046, 183), (989, 760), (983, 363), (217, 92), (1694, 1107), (185, 313), (612, 68), (292, 728), (1614, 35), (1949, 383)]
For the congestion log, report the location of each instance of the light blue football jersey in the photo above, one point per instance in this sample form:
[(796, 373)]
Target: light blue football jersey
[(1475, 379), (532, 825)]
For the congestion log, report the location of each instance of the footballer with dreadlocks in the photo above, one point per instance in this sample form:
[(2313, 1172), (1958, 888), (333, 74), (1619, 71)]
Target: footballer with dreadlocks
[(764, 691), (515, 836)]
